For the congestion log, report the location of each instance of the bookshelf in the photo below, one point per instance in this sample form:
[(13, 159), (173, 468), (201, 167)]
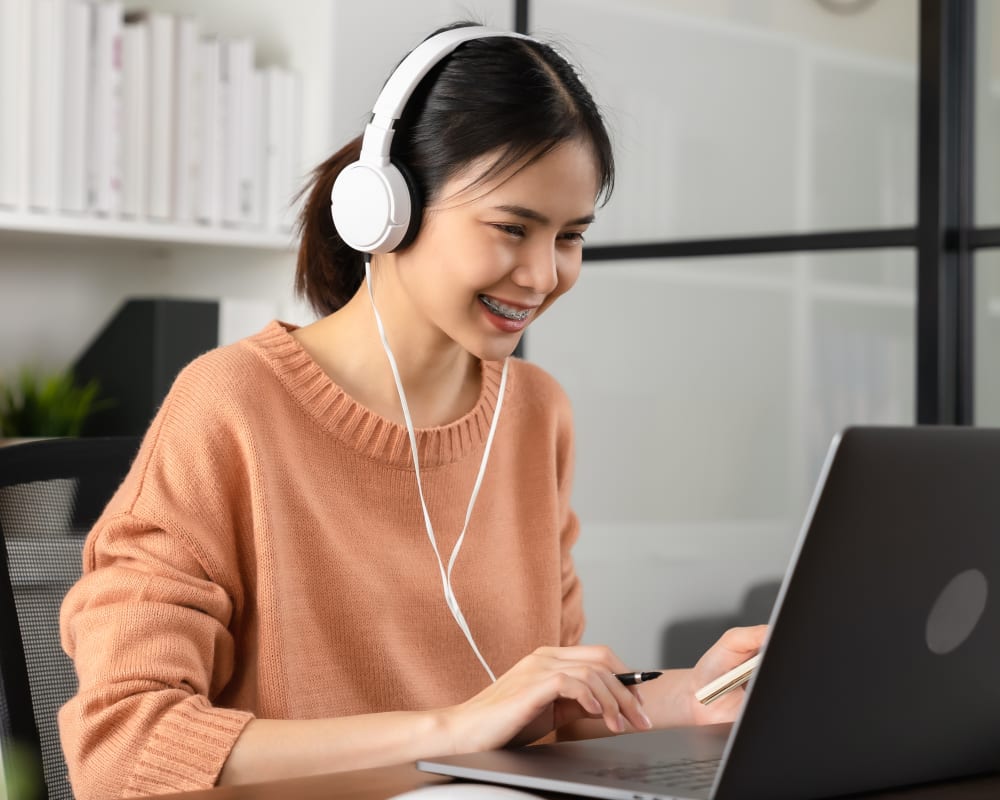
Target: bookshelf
[(36, 228), (62, 275), (134, 114)]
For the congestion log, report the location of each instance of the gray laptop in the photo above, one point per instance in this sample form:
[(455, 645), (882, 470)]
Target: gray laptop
[(881, 667)]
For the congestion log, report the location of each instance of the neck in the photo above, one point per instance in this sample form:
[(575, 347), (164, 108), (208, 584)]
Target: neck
[(440, 379)]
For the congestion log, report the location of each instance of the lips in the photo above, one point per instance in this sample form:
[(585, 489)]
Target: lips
[(505, 311)]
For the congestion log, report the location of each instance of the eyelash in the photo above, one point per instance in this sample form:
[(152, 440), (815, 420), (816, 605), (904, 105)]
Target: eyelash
[(518, 231), (510, 230)]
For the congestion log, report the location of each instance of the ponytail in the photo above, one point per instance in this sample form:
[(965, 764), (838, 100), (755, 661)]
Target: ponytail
[(327, 272)]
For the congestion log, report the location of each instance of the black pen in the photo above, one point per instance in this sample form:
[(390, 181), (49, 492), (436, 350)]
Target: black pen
[(633, 678)]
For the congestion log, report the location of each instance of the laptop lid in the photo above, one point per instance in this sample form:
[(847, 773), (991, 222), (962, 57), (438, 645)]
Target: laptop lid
[(880, 666)]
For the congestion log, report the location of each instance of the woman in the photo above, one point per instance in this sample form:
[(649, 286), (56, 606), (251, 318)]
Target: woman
[(283, 584)]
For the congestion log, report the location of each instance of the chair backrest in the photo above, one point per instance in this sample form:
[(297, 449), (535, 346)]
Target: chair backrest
[(51, 493)]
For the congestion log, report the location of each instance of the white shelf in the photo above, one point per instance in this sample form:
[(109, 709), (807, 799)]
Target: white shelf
[(165, 233)]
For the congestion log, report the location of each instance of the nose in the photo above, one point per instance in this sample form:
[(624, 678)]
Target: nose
[(538, 268)]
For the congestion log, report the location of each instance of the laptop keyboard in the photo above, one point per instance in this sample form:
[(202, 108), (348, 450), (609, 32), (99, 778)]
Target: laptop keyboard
[(686, 773)]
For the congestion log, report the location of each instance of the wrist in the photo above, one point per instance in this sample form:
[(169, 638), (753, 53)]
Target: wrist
[(447, 728), (668, 699), (685, 697)]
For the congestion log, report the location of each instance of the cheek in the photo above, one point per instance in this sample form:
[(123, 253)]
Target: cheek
[(568, 274), (484, 264)]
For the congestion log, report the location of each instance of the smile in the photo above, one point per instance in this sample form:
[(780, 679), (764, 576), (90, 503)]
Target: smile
[(518, 314)]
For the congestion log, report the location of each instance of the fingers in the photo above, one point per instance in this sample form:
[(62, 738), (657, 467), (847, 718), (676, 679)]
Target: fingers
[(543, 691), (594, 686), (744, 640), (735, 646), (594, 654)]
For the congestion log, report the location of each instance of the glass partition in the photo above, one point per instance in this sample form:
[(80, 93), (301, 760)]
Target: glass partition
[(987, 149), (748, 118), (706, 394), (987, 338)]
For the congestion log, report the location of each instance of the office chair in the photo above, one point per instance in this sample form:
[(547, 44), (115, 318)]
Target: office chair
[(51, 493)]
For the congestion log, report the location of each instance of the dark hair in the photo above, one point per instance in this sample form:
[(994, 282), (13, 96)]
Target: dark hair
[(516, 97)]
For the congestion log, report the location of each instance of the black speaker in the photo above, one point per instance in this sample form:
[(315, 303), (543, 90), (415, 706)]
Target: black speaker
[(137, 355)]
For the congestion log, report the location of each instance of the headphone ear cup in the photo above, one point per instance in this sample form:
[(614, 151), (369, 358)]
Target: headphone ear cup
[(370, 205), (416, 207)]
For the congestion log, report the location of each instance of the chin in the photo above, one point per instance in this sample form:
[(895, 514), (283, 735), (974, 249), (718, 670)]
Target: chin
[(497, 349)]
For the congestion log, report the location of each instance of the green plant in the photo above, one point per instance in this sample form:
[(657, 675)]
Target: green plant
[(21, 773), (47, 405)]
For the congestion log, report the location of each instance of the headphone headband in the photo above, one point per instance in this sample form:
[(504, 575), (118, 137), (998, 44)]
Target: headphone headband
[(374, 208), (421, 60), (404, 80)]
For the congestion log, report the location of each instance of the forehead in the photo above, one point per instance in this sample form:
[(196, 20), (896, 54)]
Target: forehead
[(567, 174)]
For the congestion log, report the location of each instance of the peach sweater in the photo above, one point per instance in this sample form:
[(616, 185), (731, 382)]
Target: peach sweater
[(266, 555)]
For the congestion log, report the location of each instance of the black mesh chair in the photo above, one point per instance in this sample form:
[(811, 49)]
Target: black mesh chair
[(51, 492)]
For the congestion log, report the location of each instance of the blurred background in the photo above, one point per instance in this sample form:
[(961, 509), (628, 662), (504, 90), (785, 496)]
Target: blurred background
[(706, 388)]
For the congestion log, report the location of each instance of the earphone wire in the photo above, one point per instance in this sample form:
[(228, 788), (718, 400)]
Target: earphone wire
[(449, 593)]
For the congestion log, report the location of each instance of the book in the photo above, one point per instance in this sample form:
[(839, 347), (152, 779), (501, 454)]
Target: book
[(293, 156), (135, 118), (206, 137), (282, 129), (252, 165), (76, 105), (236, 65), (15, 28), (45, 78), (185, 63), (161, 114), (275, 151), (104, 175)]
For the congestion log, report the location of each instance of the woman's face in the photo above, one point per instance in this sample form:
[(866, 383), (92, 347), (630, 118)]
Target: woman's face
[(490, 258)]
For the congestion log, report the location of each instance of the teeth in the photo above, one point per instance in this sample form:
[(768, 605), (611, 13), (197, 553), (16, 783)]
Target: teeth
[(504, 311)]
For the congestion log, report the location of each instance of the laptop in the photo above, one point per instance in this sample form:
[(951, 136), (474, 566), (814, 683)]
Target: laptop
[(880, 668)]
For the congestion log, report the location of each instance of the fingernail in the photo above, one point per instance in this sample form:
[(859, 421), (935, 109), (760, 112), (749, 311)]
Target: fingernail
[(645, 720), (621, 723)]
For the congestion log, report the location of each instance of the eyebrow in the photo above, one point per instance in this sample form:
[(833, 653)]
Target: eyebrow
[(535, 216)]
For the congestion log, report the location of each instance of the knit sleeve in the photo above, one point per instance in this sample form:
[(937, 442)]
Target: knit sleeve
[(149, 626), (147, 631), (572, 592), (571, 628)]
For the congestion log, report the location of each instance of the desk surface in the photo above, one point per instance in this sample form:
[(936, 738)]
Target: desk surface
[(379, 784)]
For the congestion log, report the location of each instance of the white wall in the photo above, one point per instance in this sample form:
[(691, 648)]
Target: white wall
[(705, 391)]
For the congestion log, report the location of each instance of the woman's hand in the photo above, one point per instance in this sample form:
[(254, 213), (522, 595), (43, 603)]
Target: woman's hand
[(544, 691), (733, 648)]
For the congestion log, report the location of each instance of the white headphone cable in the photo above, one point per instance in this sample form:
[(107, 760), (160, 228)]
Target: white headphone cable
[(449, 593)]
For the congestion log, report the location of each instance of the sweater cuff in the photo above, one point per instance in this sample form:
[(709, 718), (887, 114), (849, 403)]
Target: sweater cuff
[(187, 748)]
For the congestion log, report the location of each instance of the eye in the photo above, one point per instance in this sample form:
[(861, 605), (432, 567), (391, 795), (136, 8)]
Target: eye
[(510, 229), (574, 237)]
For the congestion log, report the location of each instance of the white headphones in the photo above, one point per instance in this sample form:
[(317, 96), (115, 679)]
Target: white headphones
[(375, 207)]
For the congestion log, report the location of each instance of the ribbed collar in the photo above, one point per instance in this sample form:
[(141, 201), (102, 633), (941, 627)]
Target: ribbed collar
[(363, 430)]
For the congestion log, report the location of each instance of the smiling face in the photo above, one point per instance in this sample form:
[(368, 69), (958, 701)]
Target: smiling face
[(491, 257)]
